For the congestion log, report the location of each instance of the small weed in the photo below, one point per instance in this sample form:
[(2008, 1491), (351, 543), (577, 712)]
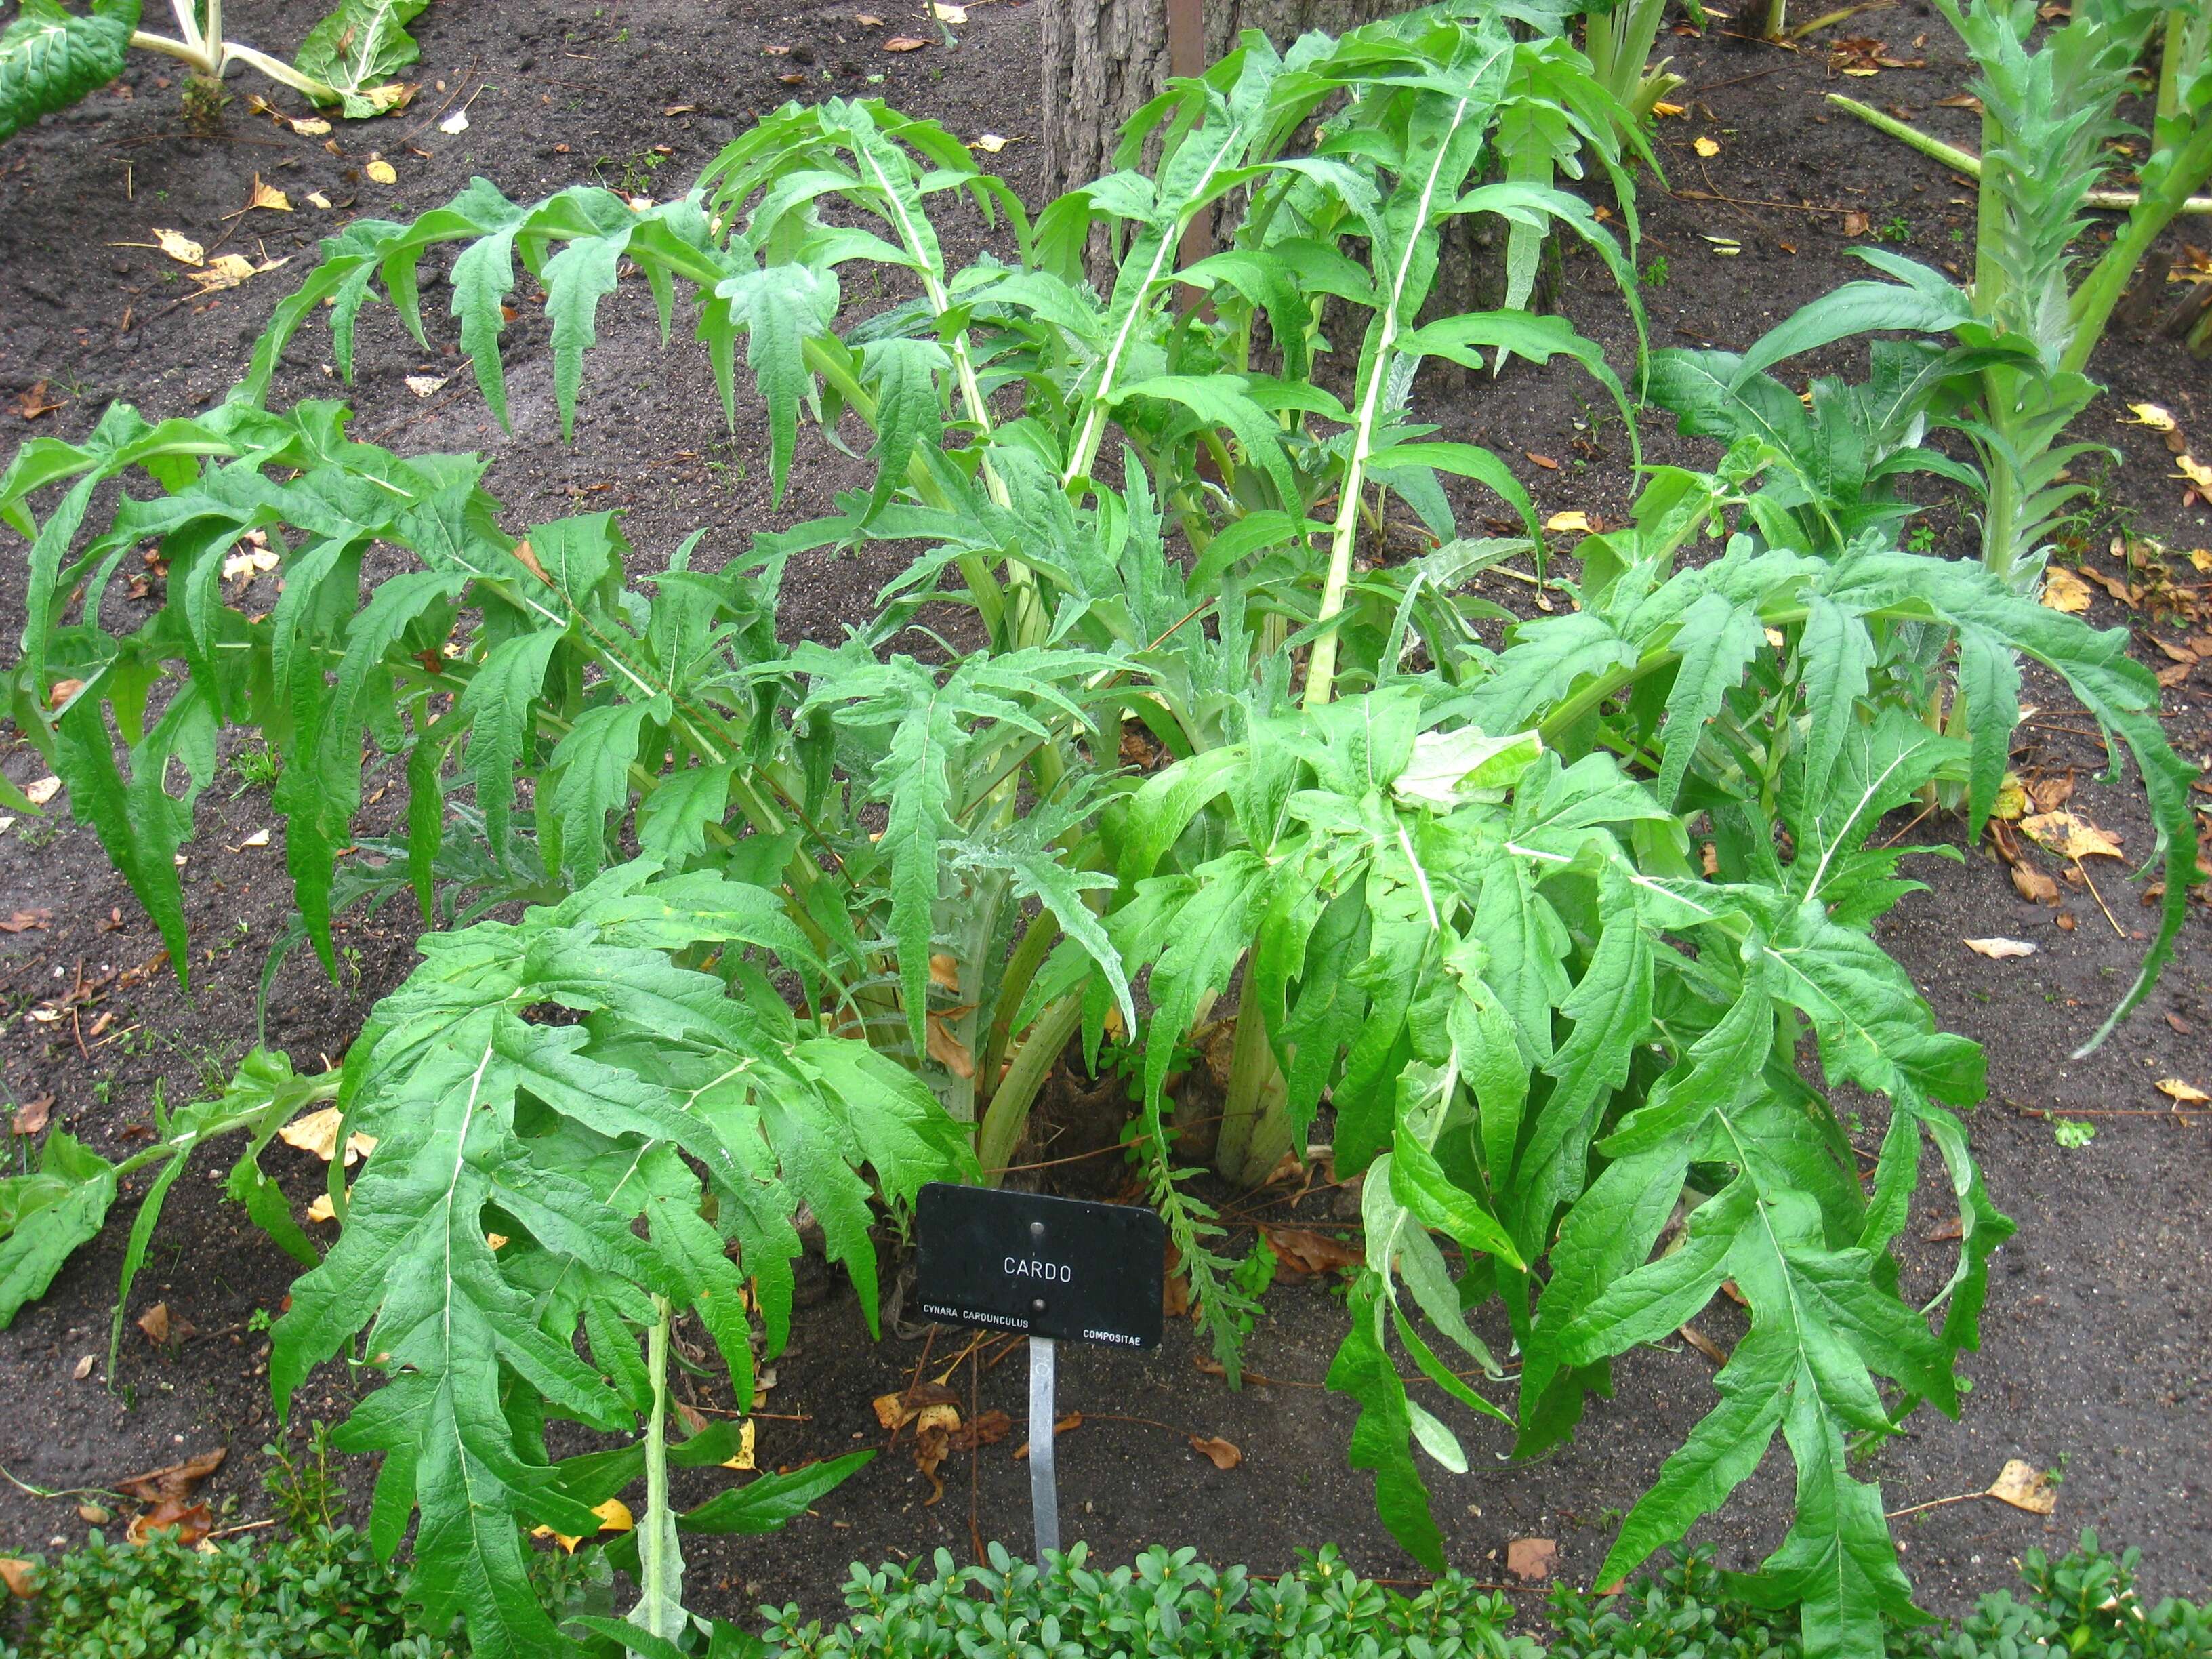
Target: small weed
[(255, 768), (41, 832), (1898, 229), (2072, 1132), (1921, 540), (1655, 274), (305, 1487), (637, 172), (258, 1320)]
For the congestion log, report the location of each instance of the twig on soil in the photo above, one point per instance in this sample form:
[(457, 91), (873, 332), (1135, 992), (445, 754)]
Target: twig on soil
[(2177, 1112), (2100, 897), (1734, 201), (243, 1526), (773, 1417), (1935, 1504), (26, 1488), (1907, 830), (423, 126)]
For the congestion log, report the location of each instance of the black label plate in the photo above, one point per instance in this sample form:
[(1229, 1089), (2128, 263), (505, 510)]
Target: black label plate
[(1060, 1267)]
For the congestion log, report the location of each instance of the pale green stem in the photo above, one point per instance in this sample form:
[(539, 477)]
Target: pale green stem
[(1036, 942), (1966, 161), (2094, 301), (660, 1567), (184, 50), (1009, 1113), (1255, 1121), (1321, 667), (211, 54), (1086, 453), (2169, 65), (326, 1090)]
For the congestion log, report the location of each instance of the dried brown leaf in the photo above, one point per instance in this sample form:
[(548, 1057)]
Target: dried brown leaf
[(1222, 1454), (175, 1482), (1531, 1559), (187, 1524), (32, 1116), (988, 1429), (948, 1050), (1703, 1344), (1305, 1252), (901, 1406)]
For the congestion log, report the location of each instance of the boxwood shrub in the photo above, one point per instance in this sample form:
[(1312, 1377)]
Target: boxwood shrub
[(325, 1597), (322, 1595)]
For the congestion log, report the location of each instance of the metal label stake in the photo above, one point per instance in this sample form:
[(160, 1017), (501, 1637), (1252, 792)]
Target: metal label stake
[(1057, 1269), (1044, 1490)]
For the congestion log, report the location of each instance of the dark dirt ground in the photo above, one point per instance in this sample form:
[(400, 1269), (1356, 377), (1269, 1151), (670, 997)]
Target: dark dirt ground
[(2095, 1358)]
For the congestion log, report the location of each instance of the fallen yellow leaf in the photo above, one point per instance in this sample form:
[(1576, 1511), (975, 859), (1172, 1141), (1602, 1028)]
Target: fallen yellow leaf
[(179, 247), (1669, 109), (743, 1460), (2071, 836), (2025, 1487), (2149, 415), (990, 142), (2187, 1093), (1569, 521), (2195, 471), (381, 171), (1707, 146), (268, 197), (224, 270), (317, 1132), (1998, 949), (614, 1516), (322, 1209), (2065, 590)]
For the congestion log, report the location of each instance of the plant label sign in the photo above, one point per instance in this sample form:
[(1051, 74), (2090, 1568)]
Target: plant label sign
[(1056, 1267)]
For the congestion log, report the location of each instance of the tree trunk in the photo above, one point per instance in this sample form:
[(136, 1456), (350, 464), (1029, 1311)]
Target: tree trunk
[(1104, 59)]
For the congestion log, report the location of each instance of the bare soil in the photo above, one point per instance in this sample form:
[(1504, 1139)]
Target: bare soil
[(2094, 1360)]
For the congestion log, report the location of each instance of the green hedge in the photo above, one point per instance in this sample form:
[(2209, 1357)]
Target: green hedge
[(322, 1596), (325, 1597), (2084, 1605)]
